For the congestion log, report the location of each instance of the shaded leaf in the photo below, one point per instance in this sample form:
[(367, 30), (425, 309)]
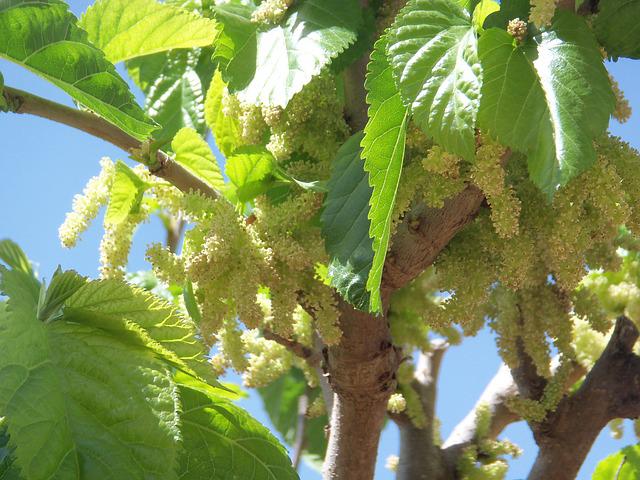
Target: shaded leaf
[(345, 226), (249, 169), (616, 26)]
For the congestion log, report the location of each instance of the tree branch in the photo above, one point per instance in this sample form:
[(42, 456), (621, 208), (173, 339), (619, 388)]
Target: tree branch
[(165, 167), (312, 356), (610, 390), (298, 447)]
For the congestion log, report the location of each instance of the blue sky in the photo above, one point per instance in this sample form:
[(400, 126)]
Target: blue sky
[(43, 164)]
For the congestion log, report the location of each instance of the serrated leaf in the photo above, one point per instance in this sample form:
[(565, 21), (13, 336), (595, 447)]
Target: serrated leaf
[(248, 169), (13, 256), (548, 98), (345, 226), (125, 29), (286, 56), (281, 399), (193, 153), (44, 38), (125, 194), (225, 129), (616, 26), (383, 153), (622, 465), (72, 394), (62, 286), (175, 99), (433, 52), (222, 441)]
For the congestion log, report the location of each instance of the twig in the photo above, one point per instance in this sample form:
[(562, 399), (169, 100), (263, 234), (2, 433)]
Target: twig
[(302, 351), (301, 428)]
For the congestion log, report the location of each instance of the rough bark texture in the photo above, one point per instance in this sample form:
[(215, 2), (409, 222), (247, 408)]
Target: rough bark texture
[(361, 372), (610, 390)]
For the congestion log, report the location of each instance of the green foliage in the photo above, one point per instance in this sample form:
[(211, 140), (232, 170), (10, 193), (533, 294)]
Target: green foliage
[(383, 151), (125, 29), (433, 52), (548, 98), (44, 38), (192, 152), (270, 66), (616, 27), (222, 438), (281, 400), (345, 226), (249, 169), (622, 465), (12, 255), (125, 195), (225, 128)]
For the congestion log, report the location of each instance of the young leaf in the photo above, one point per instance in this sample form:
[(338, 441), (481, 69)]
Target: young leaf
[(44, 38), (286, 56), (548, 98), (248, 169), (175, 99), (125, 29), (62, 286), (192, 152), (622, 465), (433, 52), (345, 226), (225, 128), (616, 26), (383, 152), (71, 392), (222, 441), (13, 256), (125, 195)]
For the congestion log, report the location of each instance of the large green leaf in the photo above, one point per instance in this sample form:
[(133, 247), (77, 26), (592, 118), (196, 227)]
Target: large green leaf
[(270, 66), (43, 37), (225, 128), (175, 98), (281, 399), (383, 152), (192, 152), (345, 226), (81, 404), (221, 441), (433, 52), (622, 465), (548, 98), (125, 194), (125, 29), (249, 169), (616, 26)]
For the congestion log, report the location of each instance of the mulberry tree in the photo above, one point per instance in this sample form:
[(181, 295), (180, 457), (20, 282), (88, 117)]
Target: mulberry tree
[(388, 178)]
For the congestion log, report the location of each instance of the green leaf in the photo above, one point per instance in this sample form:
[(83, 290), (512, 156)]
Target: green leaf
[(221, 441), (622, 465), (225, 129), (383, 151), (249, 169), (482, 11), (125, 195), (281, 399), (114, 302), (433, 52), (617, 29), (125, 29), (270, 66), (345, 226), (509, 10), (44, 38), (548, 98), (193, 153), (81, 404), (13, 256), (175, 98)]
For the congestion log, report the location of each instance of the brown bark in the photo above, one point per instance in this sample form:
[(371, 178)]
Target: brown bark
[(361, 372), (610, 390)]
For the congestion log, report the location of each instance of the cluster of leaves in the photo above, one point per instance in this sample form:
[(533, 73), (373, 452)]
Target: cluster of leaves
[(122, 375)]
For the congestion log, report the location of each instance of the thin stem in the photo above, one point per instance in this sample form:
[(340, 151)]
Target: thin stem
[(165, 167), (301, 428)]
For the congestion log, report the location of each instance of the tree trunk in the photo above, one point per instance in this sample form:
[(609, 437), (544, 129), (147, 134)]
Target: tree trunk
[(361, 371)]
